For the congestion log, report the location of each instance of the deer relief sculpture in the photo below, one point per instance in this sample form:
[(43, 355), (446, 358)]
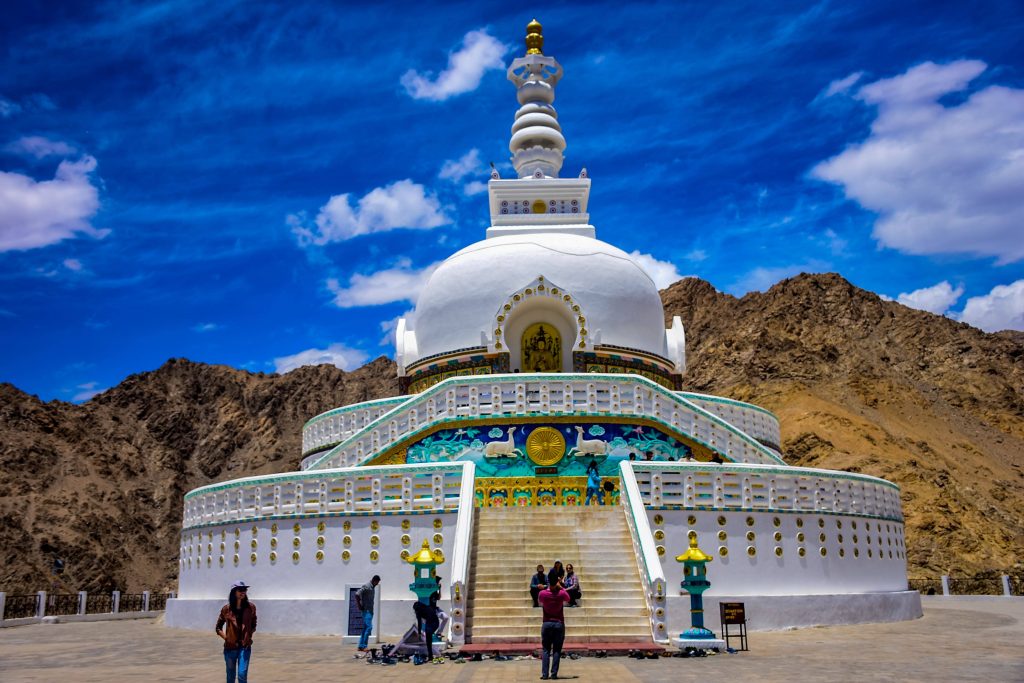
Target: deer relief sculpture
[(503, 449), (588, 446)]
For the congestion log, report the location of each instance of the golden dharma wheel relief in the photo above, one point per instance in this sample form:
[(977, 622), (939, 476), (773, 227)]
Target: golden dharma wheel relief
[(545, 446)]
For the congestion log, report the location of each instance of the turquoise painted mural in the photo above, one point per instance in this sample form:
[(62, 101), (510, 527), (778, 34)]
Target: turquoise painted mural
[(504, 450)]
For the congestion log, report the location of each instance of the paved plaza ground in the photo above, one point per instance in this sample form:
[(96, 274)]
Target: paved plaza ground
[(959, 639)]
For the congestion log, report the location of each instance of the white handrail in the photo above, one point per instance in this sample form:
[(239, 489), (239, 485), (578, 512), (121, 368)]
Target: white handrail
[(463, 548), (651, 574)]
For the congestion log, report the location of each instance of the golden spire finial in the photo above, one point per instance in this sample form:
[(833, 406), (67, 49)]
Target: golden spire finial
[(534, 39)]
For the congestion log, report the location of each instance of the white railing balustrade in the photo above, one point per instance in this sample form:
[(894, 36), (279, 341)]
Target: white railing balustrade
[(651, 574), (461, 554), (754, 420), (586, 395), (405, 488), (335, 425), (764, 487)]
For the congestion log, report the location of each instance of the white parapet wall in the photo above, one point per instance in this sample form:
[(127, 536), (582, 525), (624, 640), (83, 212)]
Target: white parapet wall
[(799, 546), (302, 549)]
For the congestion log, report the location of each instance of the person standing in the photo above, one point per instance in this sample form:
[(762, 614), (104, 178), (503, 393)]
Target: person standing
[(552, 630), (538, 582), (594, 484), (235, 626), (571, 583), (364, 601)]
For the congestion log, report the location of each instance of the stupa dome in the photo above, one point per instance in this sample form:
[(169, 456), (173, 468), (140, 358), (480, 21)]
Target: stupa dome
[(460, 304)]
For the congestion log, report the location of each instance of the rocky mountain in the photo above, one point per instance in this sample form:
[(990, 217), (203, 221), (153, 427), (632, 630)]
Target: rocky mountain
[(859, 384)]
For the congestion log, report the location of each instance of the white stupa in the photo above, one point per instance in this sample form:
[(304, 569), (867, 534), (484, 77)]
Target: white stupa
[(532, 355)]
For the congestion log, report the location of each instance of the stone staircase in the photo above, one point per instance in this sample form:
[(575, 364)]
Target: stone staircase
[(508, 545)]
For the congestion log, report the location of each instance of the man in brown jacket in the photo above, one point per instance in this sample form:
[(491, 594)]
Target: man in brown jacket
[(235, 625)]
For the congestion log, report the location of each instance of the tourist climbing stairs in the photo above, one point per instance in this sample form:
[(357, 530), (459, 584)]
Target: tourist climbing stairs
[(509, 543)]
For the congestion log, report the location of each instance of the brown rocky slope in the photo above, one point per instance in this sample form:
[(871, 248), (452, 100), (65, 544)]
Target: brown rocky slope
[(859, 384)]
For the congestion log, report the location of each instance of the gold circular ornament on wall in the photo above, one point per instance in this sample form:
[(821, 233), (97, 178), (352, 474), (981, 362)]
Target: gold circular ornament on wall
[(750, 535), (659, 535), (221, 560), (347, 541), (661, 550), (319, 555), (252, 544), (252, 558), (222, 546), (347, 526), (374, 556), (295, 556), (273, 556), (406, 540), (296, 528), (438, 523), (751, 550), (320, 540), (545, 446), (406, 524), (801, 552), (273, 528), (438, 539), (778, 551), (539, 206), (691, 534), (800, 537), (374, 525), (405, 555), (255, 529), (320, 527), (375, 540), (777, 536), (273, 543), (722, 535), (209, 561), (723, 551), (346, 555), (721, 520), (691, 520), (658, 519), (296, 542), (238, 532), (799, 523)]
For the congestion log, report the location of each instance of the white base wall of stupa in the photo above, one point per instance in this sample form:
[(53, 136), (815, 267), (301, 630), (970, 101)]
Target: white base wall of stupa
[(780, 612)]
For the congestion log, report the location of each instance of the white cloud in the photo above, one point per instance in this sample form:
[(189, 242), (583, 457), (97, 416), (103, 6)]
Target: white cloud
[(8, 108), (1000, 309), (205, 327), (842, 85), (836, 244), (664, 273), (401, 283), (40, 147), (943, 179), (86, 391), (338, 355), (457, 169), (697, 255), (759, 279), (39, 213), (479, 53), (935, 299), (73, 264), (402, 204), (474, 187)]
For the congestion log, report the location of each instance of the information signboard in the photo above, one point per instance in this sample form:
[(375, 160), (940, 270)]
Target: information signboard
[(734, 614)]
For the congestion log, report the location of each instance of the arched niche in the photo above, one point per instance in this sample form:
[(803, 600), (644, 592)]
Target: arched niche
[(544, 303)]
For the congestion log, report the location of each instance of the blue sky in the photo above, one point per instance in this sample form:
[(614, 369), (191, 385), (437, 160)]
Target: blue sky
[(267, 184)]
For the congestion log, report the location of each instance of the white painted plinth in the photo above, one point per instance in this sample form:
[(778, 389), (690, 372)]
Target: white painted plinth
[(701, 643)]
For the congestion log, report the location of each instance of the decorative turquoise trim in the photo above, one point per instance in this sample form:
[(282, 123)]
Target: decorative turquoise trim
[(746, 467), (355, 406), (418, 470), (731, 401), (320, 515)]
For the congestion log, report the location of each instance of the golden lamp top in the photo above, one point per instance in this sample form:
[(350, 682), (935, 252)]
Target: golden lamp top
[(534, 39), (426, 555), (694, 553)]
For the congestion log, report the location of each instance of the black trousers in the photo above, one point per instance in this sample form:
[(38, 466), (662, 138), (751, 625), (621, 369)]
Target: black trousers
[(574, 595)]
